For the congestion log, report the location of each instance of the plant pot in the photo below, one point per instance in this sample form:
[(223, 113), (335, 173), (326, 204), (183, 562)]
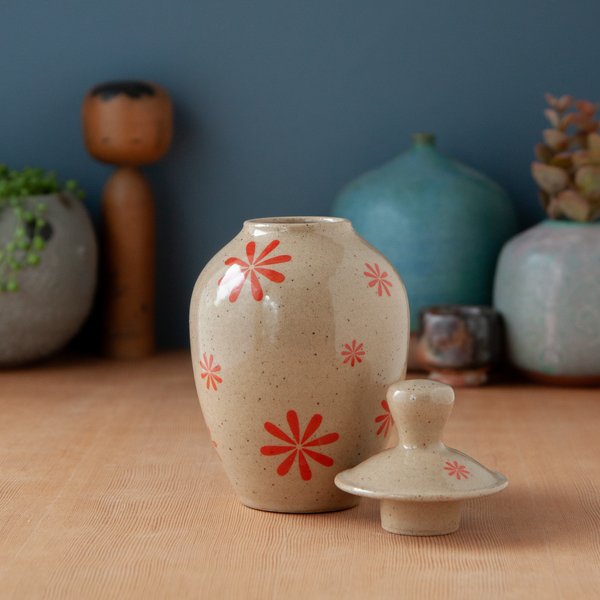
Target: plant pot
[(54, 297), (547, 288), (298, 326)]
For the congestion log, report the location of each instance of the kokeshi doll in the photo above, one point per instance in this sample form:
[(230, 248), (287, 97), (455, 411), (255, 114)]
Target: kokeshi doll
[(128, 124)]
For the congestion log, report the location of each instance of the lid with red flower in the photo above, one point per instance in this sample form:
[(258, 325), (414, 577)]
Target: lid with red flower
[(421, 468)]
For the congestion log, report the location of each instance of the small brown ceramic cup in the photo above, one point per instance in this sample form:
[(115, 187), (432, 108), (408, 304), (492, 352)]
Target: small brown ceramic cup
[(458, 344)]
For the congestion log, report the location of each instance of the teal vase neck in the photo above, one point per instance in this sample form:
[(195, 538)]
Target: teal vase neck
[(423, 140)]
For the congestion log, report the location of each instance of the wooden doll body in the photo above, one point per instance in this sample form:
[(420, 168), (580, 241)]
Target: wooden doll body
[(128, 233)]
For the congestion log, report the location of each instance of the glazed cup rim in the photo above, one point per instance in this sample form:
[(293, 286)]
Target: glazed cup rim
[(459, 310)]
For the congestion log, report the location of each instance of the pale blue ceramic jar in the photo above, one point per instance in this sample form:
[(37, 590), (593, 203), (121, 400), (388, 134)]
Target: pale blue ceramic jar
[(440, 223), (548, 290)]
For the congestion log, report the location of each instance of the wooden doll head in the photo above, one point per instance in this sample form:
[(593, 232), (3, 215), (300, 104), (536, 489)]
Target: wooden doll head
[(127, 122)]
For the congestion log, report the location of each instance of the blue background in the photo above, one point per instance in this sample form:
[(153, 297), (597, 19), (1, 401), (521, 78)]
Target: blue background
[(279, 103)]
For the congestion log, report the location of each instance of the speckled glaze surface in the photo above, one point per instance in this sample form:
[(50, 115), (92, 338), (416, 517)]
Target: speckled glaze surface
[(421, 482), (298, 326), (548, 290)]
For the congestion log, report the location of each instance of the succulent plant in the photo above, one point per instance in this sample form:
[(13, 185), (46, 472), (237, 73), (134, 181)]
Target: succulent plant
[(568, 171), (19, 191)]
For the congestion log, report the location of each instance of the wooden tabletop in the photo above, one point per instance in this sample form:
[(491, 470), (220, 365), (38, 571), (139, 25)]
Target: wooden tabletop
[(110, 488)]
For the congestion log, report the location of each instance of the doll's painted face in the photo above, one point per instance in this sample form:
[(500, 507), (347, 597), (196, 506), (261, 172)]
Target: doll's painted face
[(127, 122)]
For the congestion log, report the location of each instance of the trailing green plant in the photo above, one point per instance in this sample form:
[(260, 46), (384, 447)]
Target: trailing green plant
[(568, 171), (19, 193)]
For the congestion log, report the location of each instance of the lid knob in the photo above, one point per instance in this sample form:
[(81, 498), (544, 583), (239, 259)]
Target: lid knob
[(420, 409)]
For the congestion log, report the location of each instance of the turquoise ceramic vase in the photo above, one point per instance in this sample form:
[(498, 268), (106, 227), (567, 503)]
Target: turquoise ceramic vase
[(548, 289), (440, 223)]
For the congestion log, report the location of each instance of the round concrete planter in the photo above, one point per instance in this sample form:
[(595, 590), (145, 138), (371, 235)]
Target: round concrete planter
[(54, 297)]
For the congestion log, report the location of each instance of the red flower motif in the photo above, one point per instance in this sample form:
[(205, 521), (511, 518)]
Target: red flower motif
[(239, 270), (214, 444), (455, 469), (353, 353), (299, 446), (386, 419), (209, 372), (378, 278)]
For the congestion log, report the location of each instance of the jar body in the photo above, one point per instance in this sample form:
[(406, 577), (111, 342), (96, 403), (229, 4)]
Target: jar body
[(547, 288), (298, 326)]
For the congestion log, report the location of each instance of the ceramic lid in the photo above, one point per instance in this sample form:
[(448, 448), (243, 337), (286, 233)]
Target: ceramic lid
[(420, 468)]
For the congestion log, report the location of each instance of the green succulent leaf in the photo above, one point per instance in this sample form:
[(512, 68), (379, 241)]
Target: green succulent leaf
[(544, 199), (595, 212), (560, 104), (584, 122), (563, 160), (593, 140), (19, 193), (553, 117), (572, 205), (557, 140), (587, 180), (551, 179), (585, 107), (544, 153), (580, 158)]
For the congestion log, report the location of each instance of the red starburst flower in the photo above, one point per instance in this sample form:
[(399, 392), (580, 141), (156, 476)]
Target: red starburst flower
[(214, 444), (455, 469), (353, 353), (299, 446), (209, 372), (239, 270), (386, 419), (378, 278)]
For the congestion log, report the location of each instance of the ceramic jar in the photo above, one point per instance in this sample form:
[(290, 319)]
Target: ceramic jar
[(298, 326), (548, 290), (55, 297)]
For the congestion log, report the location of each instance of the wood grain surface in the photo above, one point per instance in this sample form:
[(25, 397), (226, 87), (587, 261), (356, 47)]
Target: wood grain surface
[(110, 488)]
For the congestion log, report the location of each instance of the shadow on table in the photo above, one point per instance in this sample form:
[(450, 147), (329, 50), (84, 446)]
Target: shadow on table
[(515, 518)]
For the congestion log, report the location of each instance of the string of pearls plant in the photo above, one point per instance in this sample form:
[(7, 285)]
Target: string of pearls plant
[(19, 191)]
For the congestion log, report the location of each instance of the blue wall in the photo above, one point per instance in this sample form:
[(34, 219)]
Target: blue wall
[(280, 103)]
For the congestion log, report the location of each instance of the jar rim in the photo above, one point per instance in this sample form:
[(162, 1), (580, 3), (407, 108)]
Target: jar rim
[(298, 221)]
